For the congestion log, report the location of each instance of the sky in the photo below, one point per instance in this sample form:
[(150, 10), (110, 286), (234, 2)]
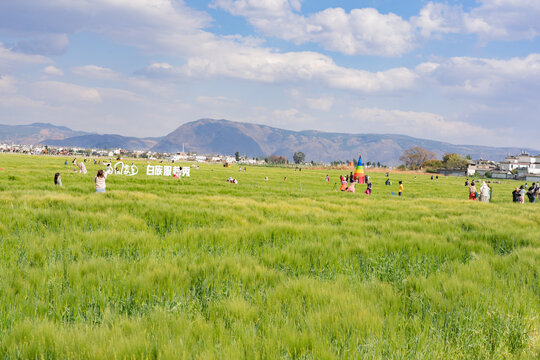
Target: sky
[(465, 72)]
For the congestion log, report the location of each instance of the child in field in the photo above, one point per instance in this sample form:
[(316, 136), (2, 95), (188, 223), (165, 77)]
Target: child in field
[(99, 181), (327, 178), (343, 184), (369, 188), (351, 187), (57, 179), (400, 189)]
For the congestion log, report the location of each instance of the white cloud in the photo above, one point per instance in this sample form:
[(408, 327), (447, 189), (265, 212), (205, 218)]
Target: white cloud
[(143, 23), (176, 29), (216, 101), (266, 66), (512, 79), (9, 59), (65, 93), (362, 31), (44, 44), (419, 124), (7, 84), (493, 19), (95, 72), (366, 31), (161, 71), (322, 103), (53, 70)]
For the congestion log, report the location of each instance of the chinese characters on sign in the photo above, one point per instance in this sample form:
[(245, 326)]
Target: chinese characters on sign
[(158, 170)]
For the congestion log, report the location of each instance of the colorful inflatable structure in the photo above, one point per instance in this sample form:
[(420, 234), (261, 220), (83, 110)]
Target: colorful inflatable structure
[(359, 172)]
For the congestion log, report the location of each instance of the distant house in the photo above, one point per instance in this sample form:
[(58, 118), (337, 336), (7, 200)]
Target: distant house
[(452, 172), (524, 162), (179, 157), (501, 174), (533, 178), (480, 167)]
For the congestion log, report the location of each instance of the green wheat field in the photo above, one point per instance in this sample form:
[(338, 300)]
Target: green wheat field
[(198, 268)]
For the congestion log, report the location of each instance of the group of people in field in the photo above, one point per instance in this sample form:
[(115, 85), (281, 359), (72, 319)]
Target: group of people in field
[(348, 184), (483, 194), (99, 180), (531, 192)]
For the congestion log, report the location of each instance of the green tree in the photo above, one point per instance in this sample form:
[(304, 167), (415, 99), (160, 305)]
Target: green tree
[(276, 159), (299, 157), (415, 157), (454, 161), (237, 156)]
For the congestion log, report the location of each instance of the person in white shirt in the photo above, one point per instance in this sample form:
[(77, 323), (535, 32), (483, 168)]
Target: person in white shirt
[(99, 181)]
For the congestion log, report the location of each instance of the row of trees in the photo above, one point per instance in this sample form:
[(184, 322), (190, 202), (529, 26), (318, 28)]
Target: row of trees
[(298, 158), (418, 158)]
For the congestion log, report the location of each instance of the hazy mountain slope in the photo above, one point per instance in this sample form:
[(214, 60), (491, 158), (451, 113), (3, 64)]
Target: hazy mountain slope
[(35, 133), (208, 136), (95, 141), (227, 137)]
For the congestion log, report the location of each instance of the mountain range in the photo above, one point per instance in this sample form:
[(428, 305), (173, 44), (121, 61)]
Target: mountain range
[(209, 136)]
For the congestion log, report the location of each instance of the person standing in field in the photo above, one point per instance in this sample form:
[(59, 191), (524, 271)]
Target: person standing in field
[(99, 181), (57, 179), (531, 192), (472, 191), (369, 188), (515, 195), (351, 187), (522, 194), (327, 178), (484, 192), (400, 189)]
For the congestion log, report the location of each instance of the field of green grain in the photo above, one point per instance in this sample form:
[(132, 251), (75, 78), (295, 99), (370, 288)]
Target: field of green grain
[(198, 268)]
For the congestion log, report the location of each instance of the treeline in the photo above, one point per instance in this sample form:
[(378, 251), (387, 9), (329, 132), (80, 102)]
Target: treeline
[(418, 158)]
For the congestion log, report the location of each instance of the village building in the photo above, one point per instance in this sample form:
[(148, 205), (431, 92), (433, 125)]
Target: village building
[(524, 162)]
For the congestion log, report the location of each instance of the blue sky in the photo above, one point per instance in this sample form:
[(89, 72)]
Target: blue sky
[(466, 72)]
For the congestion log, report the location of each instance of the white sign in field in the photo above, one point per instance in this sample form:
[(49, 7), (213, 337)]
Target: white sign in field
[(122, 169), (158, 170)]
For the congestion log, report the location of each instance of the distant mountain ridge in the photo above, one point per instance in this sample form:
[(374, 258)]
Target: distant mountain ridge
[(35, 133), (210, 136), (227, 137), (62, 136)]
